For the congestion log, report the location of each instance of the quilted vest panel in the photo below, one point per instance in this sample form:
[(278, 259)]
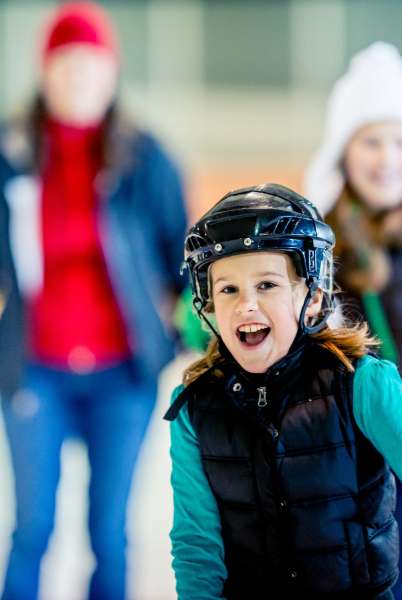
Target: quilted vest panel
[(306, 501)]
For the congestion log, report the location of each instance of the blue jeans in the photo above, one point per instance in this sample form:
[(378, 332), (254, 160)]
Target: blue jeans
[(110, 410)]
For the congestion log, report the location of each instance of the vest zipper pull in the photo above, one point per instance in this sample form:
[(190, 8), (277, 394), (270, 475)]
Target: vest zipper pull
[(262, 397)]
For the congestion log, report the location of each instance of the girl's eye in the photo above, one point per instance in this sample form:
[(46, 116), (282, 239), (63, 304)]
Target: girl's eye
[(228, 289), (266, 285)]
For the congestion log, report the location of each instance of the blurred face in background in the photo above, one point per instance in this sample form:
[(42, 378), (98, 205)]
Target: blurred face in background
[(373, 164), (79, 83)]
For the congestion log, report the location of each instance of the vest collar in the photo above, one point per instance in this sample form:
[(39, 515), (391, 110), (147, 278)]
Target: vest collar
[(250, 391)]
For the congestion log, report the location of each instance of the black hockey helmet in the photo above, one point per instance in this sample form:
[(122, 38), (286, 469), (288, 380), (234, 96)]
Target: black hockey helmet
[(266, 217)]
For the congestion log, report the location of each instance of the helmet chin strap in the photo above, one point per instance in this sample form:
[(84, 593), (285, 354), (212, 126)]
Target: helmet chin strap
[(199, 305)]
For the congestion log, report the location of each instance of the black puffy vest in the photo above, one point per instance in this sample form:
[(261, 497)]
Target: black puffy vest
[(306, 502)]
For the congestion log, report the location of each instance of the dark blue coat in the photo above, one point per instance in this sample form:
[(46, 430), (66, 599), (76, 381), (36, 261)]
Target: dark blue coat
[(142, 222)]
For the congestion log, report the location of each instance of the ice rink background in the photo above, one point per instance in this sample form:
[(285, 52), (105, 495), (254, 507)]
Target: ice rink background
[(237, 90)]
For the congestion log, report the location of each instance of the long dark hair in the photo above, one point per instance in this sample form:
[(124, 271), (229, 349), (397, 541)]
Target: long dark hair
[(363, 243), (115, 129)]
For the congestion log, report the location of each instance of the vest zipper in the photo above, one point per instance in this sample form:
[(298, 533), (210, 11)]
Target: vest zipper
[(262, 397)]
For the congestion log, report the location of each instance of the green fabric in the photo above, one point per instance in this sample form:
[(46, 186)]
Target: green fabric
[(198, 553), (379, 325), (377, 407), (196, 535), (189, 325)]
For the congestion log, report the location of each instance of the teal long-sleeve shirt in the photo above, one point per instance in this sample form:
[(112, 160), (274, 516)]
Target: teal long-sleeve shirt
[(198, 552)]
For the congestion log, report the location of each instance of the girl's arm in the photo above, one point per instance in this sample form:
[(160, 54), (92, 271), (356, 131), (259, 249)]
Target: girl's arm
[(377, 406), (197, 546)]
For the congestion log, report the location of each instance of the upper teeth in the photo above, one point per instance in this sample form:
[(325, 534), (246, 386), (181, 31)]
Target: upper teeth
[(251, 328)]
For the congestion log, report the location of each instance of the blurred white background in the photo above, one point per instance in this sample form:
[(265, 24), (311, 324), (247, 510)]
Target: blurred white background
[(237, 89)]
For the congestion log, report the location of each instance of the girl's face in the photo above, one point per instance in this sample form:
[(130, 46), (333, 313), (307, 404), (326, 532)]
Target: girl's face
[(373, 163), (79, 82), (257, 299)]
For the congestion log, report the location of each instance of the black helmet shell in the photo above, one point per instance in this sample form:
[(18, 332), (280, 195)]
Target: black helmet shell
[(266, 217)]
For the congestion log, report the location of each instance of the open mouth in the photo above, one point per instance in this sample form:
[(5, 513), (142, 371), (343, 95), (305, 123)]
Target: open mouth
[(252, 335)]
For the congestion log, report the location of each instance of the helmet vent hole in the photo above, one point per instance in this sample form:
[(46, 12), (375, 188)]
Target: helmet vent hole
[(285, 225), (292, 225), (194, 242)]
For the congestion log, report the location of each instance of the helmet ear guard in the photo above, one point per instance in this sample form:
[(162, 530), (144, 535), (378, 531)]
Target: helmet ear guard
[(264, 218), (324, 281), (324, 313)]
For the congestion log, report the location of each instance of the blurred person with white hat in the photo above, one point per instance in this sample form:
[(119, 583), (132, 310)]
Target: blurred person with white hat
[(355, 179)]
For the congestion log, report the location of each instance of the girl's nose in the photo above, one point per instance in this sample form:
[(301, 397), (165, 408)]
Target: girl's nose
[(247, 303)]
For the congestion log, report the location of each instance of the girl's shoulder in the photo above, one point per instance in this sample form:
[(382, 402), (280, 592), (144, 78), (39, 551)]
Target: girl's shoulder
[(183, 395), (377, 406), (176, 392), (177, 401), (376, 381), (375, 367)]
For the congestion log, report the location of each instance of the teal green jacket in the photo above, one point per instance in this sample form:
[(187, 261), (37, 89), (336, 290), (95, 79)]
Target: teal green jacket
[(198, 553)]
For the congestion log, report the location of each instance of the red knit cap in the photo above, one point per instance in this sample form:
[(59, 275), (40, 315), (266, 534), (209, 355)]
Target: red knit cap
[(83, 23)]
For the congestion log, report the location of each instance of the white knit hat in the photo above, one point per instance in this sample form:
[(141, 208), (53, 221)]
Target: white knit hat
[(369, 92)]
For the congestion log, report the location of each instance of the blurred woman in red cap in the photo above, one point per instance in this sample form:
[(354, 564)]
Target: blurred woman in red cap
[(92, 222)]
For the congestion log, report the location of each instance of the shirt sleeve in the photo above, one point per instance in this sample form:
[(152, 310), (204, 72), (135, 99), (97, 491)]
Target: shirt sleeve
[(377, 407), (197, 545)]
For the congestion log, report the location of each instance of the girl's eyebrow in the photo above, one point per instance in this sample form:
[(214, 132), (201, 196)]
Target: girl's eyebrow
[(227, 279), (269, 274)]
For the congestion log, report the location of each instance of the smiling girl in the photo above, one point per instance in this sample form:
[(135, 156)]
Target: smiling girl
[(282, 433)]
